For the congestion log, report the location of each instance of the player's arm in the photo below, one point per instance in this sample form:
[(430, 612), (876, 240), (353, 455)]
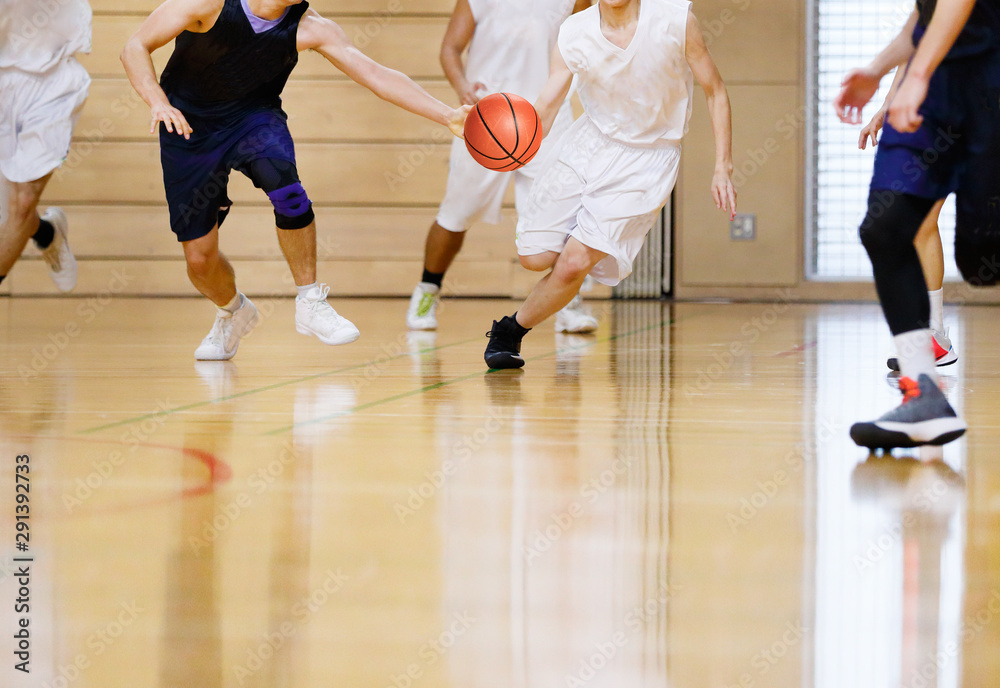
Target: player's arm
[(330, 41), (166, 22), (456, 39), (946, 24), (704, 70), (554, 92), (860, 85)]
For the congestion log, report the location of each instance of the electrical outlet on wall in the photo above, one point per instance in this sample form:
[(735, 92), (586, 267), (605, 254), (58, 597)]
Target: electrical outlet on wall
[(743, 228)]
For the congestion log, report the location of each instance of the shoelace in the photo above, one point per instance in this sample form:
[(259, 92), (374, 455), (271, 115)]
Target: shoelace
[(324, 291), (221, 328), (910, 389)]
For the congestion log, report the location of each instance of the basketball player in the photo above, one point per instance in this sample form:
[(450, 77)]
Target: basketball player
[(592, 205), (942, 136), (509, 44), (219, 108), (42, 91), (928, 245)]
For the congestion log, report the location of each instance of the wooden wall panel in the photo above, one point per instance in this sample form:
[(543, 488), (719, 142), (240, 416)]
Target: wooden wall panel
[(379, 8), (267, 278), (410, 44), (366, 174), (317, 111), (103, 232), (768, 164)]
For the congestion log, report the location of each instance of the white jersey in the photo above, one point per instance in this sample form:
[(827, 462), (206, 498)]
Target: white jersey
[(640, 95), (513, 42), (36, 35)]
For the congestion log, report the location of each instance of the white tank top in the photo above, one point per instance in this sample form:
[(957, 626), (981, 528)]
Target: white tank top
[(513, 42), (36, 35), (640, 95)]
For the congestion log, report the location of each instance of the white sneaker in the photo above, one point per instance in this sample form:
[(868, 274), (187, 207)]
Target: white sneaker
[(62, 264), (575, 318), (224, 338), (313, 315), (422, 313)]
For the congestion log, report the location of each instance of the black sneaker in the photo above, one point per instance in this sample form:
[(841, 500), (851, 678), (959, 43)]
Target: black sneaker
[(504, 349), (924, 417)]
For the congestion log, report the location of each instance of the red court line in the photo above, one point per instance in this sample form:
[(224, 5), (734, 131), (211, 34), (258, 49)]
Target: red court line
[(219, 472), (797, 349)]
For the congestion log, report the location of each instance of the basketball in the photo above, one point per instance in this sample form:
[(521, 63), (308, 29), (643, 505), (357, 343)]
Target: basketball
[(503, 132)]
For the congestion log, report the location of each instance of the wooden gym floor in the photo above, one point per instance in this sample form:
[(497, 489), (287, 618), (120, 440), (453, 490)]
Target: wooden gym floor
[(672, 502)]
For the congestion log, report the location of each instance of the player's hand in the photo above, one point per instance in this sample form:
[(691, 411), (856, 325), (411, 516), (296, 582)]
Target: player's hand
[(172, 118), (724, 192), (857, 88), (456, 121), (904, 112), (471, 94), (871, 130)]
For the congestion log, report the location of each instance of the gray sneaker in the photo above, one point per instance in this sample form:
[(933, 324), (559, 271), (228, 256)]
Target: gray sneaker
[(924, 417)]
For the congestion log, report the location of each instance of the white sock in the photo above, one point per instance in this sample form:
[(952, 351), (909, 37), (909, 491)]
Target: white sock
[(916, 354), (937, 309), (235, 304), (305, 289)]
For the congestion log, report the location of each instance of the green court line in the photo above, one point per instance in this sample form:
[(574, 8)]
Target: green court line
[(462, 378), (266, 388)]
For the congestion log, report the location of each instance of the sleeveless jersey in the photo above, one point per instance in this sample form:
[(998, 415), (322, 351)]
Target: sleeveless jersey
[(36, 35), (639, 95), (980, 34), (513, 42), (230, 70)]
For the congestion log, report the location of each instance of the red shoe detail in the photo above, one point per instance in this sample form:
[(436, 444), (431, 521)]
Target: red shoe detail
[(939, 352)]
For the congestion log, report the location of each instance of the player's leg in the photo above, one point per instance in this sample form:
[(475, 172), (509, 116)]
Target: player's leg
[(295, 224), (472, 192), (209, 270), (928, 245), (575, 317), (888, 233), (213, 275), (23, 222), (37, 116), (554, 291)]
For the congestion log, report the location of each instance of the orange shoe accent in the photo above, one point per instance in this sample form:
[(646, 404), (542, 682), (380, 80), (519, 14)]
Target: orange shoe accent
[(909, 388)]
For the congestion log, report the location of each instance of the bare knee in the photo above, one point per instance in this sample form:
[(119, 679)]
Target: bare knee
[(539, 261), (201, 259), (572, 266)]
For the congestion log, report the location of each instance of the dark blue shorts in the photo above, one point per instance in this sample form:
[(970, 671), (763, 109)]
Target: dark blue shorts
[(196, 171), (959, 139)]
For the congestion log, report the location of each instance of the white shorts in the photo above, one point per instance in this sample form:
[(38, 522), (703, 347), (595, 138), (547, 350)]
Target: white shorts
[(605, 194), (37, 116), (476, 193)]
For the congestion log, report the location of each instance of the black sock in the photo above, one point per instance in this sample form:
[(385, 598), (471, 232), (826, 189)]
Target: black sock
[(45, 234), (2, 278), (434, 278), (518, 328)]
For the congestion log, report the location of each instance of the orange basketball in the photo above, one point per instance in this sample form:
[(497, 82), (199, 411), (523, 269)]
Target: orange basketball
[(503, 132)]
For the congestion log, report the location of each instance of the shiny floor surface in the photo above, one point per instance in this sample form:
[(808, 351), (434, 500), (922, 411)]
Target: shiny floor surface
[(672, 502)]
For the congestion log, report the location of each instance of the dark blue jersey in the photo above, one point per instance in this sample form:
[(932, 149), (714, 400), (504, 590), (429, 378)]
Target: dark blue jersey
[(230, 71), (981, 33)]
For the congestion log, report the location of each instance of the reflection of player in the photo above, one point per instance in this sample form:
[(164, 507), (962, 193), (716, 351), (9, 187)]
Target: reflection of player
[(927, 243), (509, 43), (42, 90), (219, 106), (943, 136), (596, 199)]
